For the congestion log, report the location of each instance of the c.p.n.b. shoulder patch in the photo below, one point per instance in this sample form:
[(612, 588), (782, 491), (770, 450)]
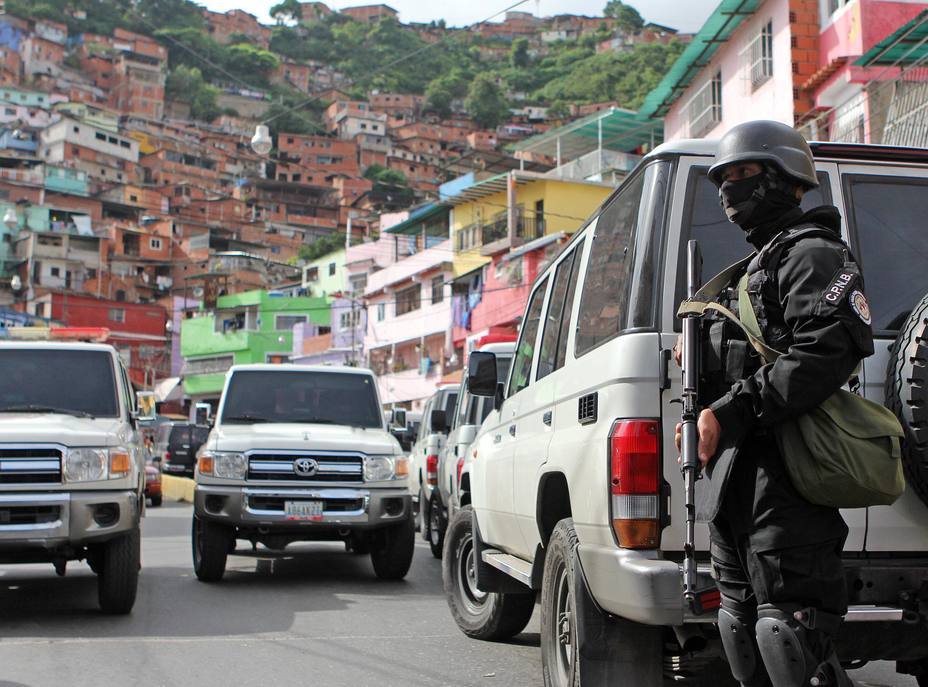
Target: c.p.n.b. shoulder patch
[(838, 286)]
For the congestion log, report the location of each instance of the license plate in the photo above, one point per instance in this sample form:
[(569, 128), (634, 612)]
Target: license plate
[(303, 510)]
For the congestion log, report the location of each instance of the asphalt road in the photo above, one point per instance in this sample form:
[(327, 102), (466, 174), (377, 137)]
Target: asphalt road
[(322, 620)]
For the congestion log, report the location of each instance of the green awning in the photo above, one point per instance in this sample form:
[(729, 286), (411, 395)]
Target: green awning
[(413, 224), (618, 129), (905, 46), (718, 28)]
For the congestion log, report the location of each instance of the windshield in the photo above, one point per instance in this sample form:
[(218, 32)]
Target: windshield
[(330, 398), (63, 381)]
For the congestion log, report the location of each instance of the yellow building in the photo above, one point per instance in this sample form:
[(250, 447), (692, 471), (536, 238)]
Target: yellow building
[(543, 206)]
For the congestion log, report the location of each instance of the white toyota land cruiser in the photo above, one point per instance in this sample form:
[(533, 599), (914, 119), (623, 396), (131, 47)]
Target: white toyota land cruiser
[(301, 453), (72, 476), (591, 397)]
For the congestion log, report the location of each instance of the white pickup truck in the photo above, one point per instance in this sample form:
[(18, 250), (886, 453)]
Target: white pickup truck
[(575, 485), (301, 453), (72, 474)]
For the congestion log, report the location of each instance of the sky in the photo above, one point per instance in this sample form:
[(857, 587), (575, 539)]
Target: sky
[(687, 16)]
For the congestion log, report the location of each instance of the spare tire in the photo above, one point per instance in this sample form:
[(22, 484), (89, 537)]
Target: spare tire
[(907, 396)]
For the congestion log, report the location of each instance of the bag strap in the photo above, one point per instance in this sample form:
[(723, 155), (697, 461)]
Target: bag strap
[(712, 288)]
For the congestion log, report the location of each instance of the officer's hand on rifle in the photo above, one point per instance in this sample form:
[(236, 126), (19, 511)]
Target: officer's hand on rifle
[(709, 432)]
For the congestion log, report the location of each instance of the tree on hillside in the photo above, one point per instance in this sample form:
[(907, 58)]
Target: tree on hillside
[(519, 56), (186, 84), (627, 19), (485, 102), (438, 99), (287, 10)]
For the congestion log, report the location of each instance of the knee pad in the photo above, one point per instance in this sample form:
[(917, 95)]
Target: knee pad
[(784, 647), (738, 642)]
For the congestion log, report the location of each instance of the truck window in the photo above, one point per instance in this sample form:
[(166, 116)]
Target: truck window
[(330, 398), (721, 242), (32, 378), (602, 304), (522, 367), (887, 215), (558, 307)]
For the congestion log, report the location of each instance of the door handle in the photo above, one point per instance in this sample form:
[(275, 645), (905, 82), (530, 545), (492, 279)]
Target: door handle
[(512, 430), (546, 418), (498, 438)]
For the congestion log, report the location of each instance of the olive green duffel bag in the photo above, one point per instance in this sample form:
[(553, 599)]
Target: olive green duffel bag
[(846, 452)]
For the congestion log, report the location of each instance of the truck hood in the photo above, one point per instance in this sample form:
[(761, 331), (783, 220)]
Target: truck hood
[(36, 428), (302, 437)]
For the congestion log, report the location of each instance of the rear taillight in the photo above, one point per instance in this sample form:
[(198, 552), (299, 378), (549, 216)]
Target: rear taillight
[(460, 469), (431, 470), (635, 466), (167, 456)]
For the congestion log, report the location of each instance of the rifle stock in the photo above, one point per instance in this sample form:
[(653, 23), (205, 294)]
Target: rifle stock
[(689, 444)]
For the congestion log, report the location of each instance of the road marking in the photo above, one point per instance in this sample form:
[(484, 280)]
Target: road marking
[(189, 640)]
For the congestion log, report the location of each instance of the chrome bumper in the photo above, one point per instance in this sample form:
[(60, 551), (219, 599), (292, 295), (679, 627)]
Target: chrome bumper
[(69, 518), (263, 506)]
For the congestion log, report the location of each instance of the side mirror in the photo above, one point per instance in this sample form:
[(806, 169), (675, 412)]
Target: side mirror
[(439, 421), (399, 418), (500, 395), (145, 405), (202, 415), (481, 374)]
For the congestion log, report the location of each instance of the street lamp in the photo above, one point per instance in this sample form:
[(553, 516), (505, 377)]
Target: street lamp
[(261, 142), (10, 219)]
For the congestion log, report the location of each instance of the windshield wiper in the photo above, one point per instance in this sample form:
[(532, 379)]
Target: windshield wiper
[(246, 418), (317, 421), (37, 408)]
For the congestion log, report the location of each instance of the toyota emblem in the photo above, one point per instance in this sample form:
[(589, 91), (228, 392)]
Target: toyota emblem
[(305, 467)]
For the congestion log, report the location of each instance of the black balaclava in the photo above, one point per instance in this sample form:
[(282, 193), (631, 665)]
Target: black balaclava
[(758, 202)]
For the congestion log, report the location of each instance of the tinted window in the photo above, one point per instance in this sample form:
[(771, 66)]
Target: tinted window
[(558, 306), (721, 242), (522, 366), (32, 378), (602, 304), (889, 216), (451, 403), (329, 398)]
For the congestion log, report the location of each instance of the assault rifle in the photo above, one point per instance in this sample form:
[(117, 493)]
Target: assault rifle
[(689, 443)]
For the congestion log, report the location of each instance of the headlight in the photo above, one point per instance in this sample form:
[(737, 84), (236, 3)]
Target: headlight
[(224, 464), (94, 464), (379, 468)]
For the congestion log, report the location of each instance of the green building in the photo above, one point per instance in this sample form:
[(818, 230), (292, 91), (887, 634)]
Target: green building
[(325, 276), (250, 327)]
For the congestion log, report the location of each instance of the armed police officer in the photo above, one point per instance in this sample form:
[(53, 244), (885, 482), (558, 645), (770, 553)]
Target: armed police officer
[(776, 557)]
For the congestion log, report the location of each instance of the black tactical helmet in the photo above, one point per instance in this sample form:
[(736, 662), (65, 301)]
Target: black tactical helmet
[(769, 142)]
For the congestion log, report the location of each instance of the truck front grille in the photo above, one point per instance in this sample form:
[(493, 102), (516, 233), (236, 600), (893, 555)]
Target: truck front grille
[(322, 467), (276, 503), (29, 515), (30, 465)]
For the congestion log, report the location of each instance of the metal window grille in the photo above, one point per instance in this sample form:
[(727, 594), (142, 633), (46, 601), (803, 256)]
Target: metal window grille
[(704, 110), (760, 53)]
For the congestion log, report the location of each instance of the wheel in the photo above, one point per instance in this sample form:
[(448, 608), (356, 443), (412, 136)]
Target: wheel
[(118, 578), (618, 651), (907, 396), (481, 615), (437, 526), (156, 500), (392, 550), (211, 544)]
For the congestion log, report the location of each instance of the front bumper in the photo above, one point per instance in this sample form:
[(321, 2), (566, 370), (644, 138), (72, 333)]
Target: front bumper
[(263, 507), (55, 520)]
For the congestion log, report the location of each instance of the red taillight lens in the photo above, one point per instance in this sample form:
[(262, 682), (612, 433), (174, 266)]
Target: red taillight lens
[(635, 468), (167, 456), (431, 470), (460, 469)]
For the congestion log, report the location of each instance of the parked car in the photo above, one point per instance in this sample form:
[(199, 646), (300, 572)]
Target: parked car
[(423, 458), (301, 453), (153, 483), (177, 446), (71, 464), (465, 419), (592, 395)]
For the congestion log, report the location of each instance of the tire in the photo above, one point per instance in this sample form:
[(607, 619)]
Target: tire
[(211, 544), (156, 500), (437, 526), (392, 550), (118, 580), (480, 615), (907, 396), (423, 516)]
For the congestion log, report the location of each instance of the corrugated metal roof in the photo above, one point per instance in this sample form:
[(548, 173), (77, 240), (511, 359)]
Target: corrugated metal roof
[(410, 225), (904, 46), (718, 28)]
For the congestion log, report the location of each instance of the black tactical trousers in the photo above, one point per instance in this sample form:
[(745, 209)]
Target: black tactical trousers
[(771, 546)]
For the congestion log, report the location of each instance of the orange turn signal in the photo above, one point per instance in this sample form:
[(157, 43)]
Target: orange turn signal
[(119, 463), (637, 534), (205, 465), (402, 467)]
